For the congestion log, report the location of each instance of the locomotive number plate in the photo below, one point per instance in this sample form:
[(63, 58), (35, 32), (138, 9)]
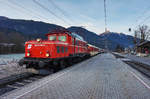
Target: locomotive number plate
[(29, 46), (39, 45)]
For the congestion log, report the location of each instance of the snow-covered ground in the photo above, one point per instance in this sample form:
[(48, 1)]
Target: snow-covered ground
[(145, 60), (9, 58), (9, 64)]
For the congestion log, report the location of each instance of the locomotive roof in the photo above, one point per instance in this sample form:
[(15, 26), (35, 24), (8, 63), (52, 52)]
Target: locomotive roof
[(73, 34), (56, 31)]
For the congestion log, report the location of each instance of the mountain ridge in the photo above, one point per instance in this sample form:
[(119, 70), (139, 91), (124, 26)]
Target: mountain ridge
[(30, 29)]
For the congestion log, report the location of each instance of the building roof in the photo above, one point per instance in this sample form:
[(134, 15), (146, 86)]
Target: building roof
[(7, 44), (143, 43)]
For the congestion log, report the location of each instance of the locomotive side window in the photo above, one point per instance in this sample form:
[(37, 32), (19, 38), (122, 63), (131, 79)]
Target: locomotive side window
[(58, 49), (76, 42), (62, 49), (72, 41), (66, 49), (52, 38), (62, 38)]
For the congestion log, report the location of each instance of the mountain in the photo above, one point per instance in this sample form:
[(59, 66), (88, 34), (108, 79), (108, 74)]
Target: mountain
[(11, 41), (112, 40), (3, 18), (33, 29), (10, 36), (88, 36), (29, 29)]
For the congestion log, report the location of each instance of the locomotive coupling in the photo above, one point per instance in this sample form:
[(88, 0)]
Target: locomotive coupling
[(21, 62), (41, 64)]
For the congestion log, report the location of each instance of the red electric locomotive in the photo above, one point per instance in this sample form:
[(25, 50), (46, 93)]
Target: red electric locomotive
[(61, 47)]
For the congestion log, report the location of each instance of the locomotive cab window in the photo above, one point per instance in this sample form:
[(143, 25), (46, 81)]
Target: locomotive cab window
[(62, 38), (52, 38)]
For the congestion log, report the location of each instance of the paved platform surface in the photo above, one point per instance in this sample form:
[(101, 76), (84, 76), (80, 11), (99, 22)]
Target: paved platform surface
[(101, 77)]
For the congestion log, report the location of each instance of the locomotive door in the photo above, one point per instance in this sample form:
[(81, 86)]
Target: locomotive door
[(74, 48)]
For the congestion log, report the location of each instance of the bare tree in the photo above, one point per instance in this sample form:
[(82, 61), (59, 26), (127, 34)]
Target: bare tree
[(143, 32), (135, 37)]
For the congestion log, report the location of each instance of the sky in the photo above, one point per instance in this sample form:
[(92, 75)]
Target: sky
[(121, 14)]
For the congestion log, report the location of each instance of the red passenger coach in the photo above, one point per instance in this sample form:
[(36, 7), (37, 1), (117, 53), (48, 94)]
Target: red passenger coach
[(93, 50), (60, 48)]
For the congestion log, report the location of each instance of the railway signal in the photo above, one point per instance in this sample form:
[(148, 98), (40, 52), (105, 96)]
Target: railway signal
[(130, 29)]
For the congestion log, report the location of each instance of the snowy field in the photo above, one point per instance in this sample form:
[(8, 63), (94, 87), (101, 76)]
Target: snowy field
[(7, 58), (9, 64), (144, 60)]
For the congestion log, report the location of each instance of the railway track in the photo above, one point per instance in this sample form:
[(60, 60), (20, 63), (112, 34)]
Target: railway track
[(17, 81), (20, 80), (143, 68)]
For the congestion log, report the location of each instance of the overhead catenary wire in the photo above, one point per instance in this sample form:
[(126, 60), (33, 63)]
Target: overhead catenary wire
[(139, 20), (142, 15), (49, 11), (28, 10), (64, 13), (147, 18), (33, 13), (144, 12), (142, 22), (15, 7)]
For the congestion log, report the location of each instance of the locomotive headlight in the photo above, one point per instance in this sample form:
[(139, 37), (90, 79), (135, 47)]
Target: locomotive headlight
[(38, 39), (47, 54), (28, 54)]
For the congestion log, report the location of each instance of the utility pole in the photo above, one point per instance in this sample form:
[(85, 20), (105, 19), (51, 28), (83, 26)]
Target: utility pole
[(105, 16)]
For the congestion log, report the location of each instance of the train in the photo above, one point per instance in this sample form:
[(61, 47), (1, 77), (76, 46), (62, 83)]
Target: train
[(59, 50)]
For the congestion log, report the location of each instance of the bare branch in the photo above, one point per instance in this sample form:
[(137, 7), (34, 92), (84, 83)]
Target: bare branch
[(143, 32)]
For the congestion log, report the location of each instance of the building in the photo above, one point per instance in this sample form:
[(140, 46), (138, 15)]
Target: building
[(144, 47), (6, 48)]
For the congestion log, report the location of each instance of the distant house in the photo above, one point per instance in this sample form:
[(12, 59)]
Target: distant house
[(7, 44), (144, 47), (6, 47)]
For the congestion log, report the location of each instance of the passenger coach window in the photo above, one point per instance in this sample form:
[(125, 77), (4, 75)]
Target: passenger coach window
[(52, 38), (62, 38)]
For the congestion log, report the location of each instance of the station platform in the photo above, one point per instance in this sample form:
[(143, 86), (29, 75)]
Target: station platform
[(100, 77)]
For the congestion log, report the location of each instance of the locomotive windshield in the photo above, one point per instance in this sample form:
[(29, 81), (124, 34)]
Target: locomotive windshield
[(62, 38), (77, 36), (52, 38)]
